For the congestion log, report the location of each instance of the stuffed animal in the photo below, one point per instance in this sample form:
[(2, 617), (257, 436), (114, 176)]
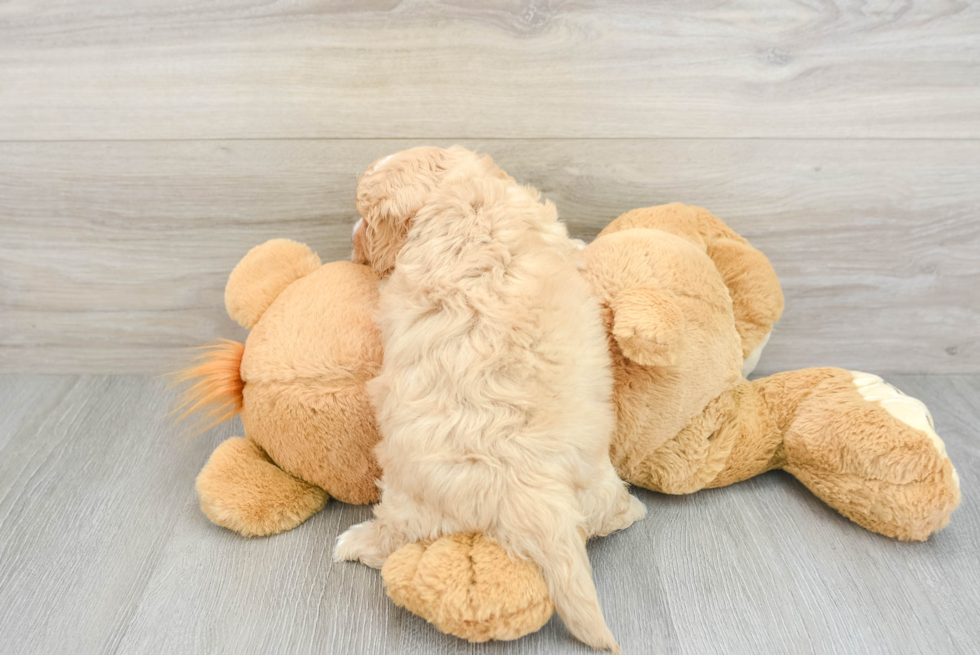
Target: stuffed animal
[(688, 305), (298, 383)]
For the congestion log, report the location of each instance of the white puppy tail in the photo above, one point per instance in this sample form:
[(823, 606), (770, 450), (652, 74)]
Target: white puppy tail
[(567, 571)]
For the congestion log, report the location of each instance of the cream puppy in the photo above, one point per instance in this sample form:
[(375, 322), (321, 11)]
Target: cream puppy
[(494, 398)]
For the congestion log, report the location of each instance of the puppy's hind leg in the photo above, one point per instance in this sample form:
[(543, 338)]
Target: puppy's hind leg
[(368, 542), (621, 517), (610, 506)]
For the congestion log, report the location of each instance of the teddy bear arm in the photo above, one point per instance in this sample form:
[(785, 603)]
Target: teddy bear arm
[(262, 275), (757, 297), (648, 325), (242, 489)]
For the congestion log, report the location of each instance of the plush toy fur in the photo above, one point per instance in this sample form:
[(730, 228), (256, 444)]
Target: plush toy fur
[(299, 383), (688, 305)]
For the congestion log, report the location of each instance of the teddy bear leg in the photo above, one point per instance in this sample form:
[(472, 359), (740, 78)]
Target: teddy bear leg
[(468, 586), (863, 447), (735, 437), (872, 453), (242, 489)]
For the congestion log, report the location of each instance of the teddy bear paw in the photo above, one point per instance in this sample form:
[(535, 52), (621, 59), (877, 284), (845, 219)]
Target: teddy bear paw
[(910, 411), (468, 586)]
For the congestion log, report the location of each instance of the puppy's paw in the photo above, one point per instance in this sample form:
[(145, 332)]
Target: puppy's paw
[(637, 510), (624, 517), (360, 543), (633, 513)]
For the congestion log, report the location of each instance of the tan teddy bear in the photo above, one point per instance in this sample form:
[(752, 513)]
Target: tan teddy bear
[(688, 305), (299, 385)]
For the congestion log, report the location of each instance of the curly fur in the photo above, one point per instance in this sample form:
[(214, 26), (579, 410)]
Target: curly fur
[(494, 398), (393, 189)]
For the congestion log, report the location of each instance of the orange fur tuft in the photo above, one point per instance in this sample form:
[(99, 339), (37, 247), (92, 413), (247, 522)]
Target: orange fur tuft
[(218, 384)]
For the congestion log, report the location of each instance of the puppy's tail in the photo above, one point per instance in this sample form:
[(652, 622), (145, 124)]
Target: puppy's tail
[(565, 565), (217, 389)]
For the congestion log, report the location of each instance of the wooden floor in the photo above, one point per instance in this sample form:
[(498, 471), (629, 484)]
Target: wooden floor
[(103, 550)]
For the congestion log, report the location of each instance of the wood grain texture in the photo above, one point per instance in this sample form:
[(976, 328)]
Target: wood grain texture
[(91, 482), (104, 550), (151, 69), (114, 255)]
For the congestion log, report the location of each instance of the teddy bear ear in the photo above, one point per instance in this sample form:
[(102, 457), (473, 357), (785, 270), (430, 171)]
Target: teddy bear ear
[(262, 275)]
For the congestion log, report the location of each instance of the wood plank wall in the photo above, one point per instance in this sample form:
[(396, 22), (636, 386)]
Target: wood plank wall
[(146, 146)]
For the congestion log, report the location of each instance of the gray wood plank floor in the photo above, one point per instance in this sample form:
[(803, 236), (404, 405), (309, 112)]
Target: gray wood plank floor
[(104, 550)]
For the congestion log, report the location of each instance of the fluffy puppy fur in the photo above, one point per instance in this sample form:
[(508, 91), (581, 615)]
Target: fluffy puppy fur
[(394, 188), (494, 398)]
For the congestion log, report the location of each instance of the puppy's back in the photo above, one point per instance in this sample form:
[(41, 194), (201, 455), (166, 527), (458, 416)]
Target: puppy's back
[(486, 317)]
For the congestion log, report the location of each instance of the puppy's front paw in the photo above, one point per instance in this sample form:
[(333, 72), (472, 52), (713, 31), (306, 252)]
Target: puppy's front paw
[(360, 543)]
